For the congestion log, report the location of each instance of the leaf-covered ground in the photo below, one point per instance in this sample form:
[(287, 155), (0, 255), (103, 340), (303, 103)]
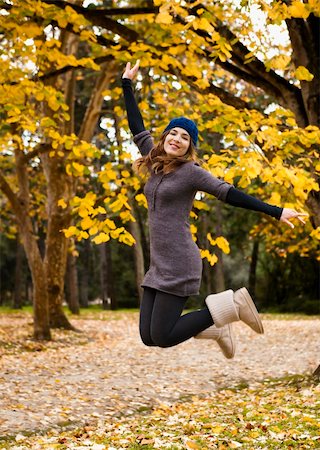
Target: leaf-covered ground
[(102, 389)]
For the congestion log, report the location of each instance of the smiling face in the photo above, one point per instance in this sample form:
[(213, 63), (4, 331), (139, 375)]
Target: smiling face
[(177, 142)]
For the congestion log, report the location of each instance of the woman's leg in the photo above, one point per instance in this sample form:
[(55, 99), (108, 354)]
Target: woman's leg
[(146, 309), (168, 327)]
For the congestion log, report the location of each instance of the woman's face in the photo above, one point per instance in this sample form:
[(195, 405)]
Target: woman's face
[(177, 142)]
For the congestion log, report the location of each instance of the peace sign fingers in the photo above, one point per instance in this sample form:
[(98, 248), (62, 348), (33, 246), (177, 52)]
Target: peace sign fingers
[(288, 213)]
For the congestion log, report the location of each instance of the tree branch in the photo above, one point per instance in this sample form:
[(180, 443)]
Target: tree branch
[(97, 12), (224, 96), (11, 196), (38, 150)]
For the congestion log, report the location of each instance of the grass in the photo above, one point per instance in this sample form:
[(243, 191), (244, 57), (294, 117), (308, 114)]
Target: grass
[(274, 414), (96, 310), (93, 311)]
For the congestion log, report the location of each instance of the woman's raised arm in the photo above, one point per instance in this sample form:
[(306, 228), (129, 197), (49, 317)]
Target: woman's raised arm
[(135, 120)]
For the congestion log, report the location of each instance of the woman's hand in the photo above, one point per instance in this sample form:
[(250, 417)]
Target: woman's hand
[(131, 73), (290, 214)]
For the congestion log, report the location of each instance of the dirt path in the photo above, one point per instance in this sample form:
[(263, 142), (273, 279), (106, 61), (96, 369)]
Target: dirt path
[(106, 371)]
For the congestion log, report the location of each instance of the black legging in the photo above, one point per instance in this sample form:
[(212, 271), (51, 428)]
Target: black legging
[(161, 323)]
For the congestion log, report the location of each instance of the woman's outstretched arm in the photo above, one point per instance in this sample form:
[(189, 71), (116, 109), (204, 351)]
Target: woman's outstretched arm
[(135, 119), (242, 200)]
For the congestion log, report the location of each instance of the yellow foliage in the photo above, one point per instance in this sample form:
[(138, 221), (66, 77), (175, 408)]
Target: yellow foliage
[(126, 216), (198, 204), (302, 73), (79, 168), (119, 203), (109, 224), (142, 201), (275, 199), (93, 230), (193, 231), (202, 24), (315, 233), (127, 238), (279, 62), (223, 244), (100, 238), (62, 203), (86, 223), (164, 17), (205, 254), (298, 9), (71, 231)]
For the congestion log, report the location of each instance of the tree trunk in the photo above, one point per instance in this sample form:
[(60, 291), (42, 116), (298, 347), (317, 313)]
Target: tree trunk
[(84, 275), (55, 266), (72, 285), (93, 110), (59, 186), (20, 206), (18, 277), (40, 291), (253, 268), (105, 277), (56, 244)]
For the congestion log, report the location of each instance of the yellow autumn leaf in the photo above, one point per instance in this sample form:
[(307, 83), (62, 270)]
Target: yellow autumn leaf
[(192, 445), (83, 211), (101, 210), (280, 62), (303, 74), (126, 216), (217, 429), (62, 203), (71, 231), (102, 237), (205, 254), (86, 223), (127, 239), (291, 122), (201, 205), (315, 233), (298, 9), (94, 230), (210, 239), (275, 199), (141, 199), (223, 244), (109, 224), (203, 24), (116, 233), (78, 167), (164, 17)]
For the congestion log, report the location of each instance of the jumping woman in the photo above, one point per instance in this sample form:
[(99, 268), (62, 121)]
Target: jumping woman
[(174, 178)]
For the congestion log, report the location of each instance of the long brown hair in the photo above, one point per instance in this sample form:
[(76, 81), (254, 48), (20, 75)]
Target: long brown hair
[(157, 161)]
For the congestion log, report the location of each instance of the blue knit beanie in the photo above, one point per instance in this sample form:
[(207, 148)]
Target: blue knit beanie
[(186, 124)]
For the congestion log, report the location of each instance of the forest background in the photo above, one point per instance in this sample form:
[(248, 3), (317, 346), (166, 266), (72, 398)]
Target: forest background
[(73, 213)]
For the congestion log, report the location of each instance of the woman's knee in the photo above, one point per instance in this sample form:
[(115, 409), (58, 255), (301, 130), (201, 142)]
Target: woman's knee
[(160, 339), (153, 339), (146, 338)]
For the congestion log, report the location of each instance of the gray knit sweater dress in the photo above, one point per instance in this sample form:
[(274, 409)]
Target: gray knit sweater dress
[(175, 261)]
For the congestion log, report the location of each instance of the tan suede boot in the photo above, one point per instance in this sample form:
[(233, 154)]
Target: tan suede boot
[(229, 306), (224, 338)]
